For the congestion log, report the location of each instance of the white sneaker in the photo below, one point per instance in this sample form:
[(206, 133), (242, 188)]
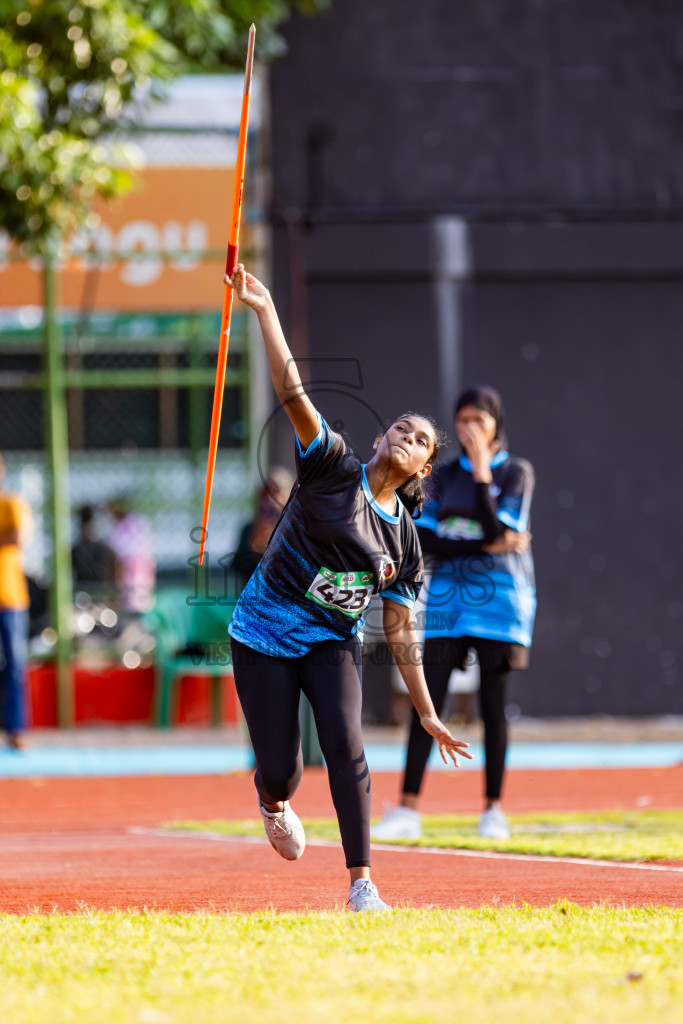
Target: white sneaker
[(284, 830), (363, 896), (398, 823), (493, 824)]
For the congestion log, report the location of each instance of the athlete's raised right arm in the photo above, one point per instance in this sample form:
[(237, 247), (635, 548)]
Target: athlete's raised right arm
[(283, 370)]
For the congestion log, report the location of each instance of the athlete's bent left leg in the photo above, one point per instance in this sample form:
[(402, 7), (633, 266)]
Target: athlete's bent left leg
[(268, 690)]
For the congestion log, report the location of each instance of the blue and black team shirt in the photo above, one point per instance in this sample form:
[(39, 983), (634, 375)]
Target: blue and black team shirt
[(472, 593), (333, 548)]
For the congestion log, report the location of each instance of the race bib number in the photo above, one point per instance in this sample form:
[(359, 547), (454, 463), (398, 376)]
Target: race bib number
[(347, 592), (459, 528)]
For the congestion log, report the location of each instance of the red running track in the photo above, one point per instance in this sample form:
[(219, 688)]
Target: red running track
[(71, 843)]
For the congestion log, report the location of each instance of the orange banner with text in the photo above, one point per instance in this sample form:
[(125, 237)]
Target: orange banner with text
[(172, 216)]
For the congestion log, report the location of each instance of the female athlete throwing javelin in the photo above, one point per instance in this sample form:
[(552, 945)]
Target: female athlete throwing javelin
[(345, 534)]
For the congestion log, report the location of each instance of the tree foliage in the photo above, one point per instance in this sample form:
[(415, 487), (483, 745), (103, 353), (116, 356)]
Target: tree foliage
[(68, 69)]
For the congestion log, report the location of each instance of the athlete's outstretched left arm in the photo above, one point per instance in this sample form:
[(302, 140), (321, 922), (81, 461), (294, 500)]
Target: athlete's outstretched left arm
[(405, 647), (283, 370)]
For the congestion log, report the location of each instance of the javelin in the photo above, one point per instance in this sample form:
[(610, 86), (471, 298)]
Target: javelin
[(230, 262)]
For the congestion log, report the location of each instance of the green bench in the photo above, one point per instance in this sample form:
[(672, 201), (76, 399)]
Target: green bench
[(191, 640), (188, 636)]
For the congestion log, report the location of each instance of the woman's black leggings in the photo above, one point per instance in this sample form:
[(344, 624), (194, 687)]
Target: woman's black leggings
[(330, 677), (438, 667)]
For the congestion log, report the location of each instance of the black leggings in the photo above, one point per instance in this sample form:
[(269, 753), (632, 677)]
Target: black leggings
[(330, 677), (438, 665)]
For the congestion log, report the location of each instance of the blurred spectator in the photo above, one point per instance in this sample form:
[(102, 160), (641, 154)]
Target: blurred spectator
[(15, 527), (131, 543), (39, 610), (257, 532), (94, 562), (475, 530)]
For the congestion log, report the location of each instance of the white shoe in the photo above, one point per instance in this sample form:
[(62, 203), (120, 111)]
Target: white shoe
[(284, 830), (363, 896), (398, 823), (493, 824)]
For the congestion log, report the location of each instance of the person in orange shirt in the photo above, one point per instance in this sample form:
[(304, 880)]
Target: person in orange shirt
[(15, 524)]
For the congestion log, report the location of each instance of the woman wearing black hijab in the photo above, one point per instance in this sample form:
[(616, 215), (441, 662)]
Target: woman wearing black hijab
[(481, 596)]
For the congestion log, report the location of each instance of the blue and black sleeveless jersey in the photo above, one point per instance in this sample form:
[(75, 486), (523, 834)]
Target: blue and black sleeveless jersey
[(482, 595), (333, 548)]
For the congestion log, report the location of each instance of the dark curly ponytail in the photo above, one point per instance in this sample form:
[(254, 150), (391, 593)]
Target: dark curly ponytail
[(414, 492)]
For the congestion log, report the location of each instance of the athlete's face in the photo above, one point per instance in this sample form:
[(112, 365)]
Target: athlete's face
[(408, 444), (470, 420)]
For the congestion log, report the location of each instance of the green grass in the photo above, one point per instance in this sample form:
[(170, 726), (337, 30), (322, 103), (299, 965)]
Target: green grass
[(618, 835), (566, 964)]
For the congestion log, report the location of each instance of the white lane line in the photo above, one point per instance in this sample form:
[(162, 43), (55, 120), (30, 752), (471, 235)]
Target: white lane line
[(389, 848), (537, 858)]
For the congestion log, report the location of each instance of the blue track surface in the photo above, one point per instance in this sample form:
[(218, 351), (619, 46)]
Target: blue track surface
[(210, 759)]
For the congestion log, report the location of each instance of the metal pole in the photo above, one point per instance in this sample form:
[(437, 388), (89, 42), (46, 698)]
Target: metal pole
[(57, 450), (196, 434), (200, 377)]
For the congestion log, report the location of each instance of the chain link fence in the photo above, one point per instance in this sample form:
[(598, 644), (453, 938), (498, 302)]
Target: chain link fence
[(139, 400)]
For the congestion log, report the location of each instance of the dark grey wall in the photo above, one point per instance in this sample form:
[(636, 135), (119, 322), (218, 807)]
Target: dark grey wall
[(487, 192), (590, 365), (486, 103)]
